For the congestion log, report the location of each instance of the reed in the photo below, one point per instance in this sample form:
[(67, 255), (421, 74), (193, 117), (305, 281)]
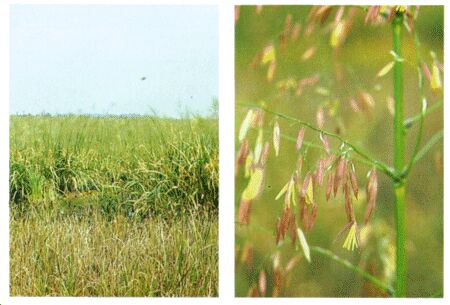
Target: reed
[(113, 206)]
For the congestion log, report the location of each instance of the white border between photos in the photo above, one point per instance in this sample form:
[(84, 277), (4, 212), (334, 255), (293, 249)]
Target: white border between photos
[(226, 157)]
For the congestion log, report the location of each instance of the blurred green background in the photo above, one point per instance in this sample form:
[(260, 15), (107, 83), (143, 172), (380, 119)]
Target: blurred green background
[(362, 55)]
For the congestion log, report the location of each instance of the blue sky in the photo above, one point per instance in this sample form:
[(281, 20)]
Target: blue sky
[(90, 59)]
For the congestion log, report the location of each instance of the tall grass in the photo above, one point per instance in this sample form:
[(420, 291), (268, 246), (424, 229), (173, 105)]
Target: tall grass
[(113, 206)]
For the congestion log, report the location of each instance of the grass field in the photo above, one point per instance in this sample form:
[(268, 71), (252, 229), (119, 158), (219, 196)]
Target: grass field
[(103, 206)]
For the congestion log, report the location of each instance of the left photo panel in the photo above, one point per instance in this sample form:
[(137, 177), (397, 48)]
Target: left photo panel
[(113, 150)]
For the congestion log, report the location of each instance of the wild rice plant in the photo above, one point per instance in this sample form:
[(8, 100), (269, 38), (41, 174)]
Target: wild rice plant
[(336, 159), (113, 206)]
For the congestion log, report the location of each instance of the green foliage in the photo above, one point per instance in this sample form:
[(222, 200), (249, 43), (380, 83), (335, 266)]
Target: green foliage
[(104, 206), (148, 166)]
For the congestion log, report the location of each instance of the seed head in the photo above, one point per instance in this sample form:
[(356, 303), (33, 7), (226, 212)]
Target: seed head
[(312, 217), (320, 170), (348, 203), (262, 282), (338, 35), (339, 13), (309, 81), (255, 185), (299, 165), (293, 229), (268, 54), (304, 244), (249, 164), (309, 53), (271, 70), (244, 211), (246, 124), (338, 175), (287, 24), (351, 242), (283, 190), (366, 100), (253, 292), (277, 277), (265, 154), (295, 32), (326, 145), (242, 154), (320, 117), (290, 193), (353, 180), (276, 138), (385, 70), (426, 71), (258, 146), (371, 192), (301, 135), (436, 82), (285, 221), (372, 14), (278, 231), (292, 263), (307, 190)]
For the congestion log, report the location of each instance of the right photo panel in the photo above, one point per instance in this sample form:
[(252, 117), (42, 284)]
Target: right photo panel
[(339, 151)]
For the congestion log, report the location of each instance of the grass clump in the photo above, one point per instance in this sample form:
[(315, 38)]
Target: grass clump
[(122, 206)]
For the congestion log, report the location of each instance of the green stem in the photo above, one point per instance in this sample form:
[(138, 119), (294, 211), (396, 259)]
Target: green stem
[(379, 283), (423, 105), (400, 219), (409, 122), (317, 146), (378, 164), (434, 139), (399, 160)]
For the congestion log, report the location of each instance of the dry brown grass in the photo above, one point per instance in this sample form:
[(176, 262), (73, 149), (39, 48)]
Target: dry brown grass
[(94, 257)]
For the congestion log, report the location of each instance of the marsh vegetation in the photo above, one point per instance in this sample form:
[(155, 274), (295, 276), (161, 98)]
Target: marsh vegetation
[(113, 206)]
